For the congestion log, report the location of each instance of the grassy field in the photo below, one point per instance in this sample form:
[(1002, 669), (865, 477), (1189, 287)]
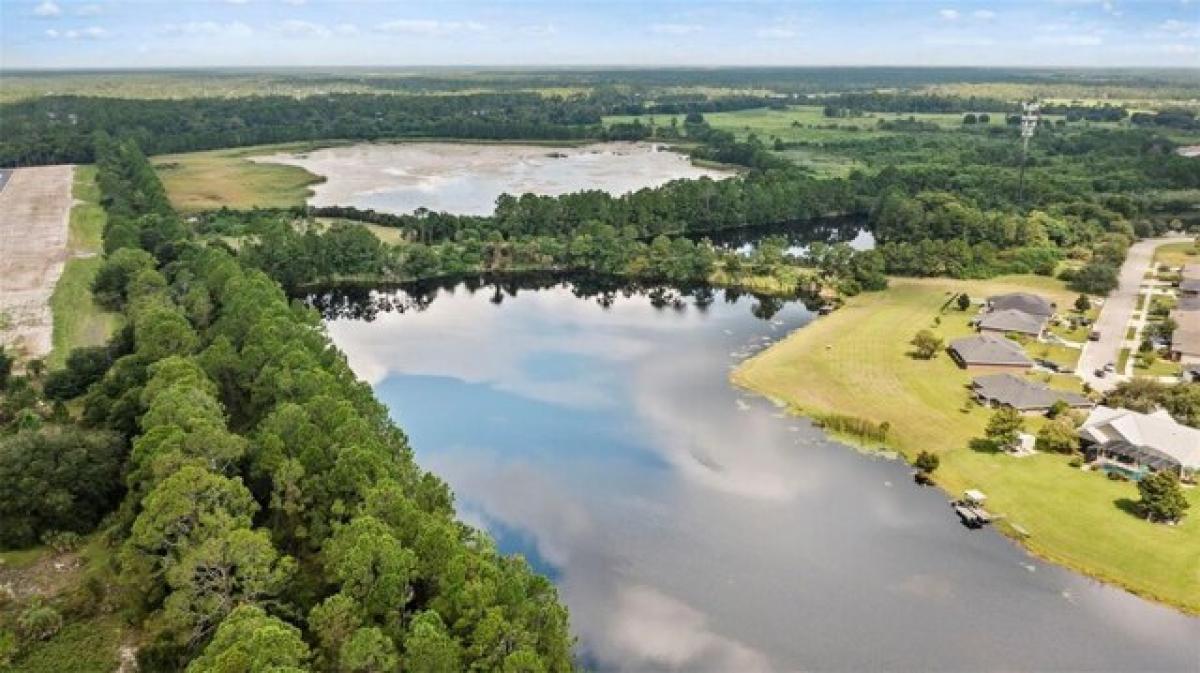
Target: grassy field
[(198, 181), (856, 362), (389, 235), (78, 321), (1176, 254)]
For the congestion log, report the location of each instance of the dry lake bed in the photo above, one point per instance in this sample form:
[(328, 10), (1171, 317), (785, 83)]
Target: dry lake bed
[(466, 179)]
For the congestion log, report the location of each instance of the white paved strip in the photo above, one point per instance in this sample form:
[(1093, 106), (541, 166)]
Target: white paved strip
[(35, 207), (1117, 312)]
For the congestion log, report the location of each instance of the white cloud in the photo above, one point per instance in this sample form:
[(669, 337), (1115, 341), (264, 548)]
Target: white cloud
[(1180, 49), (958, 41), (430, 27), (47, 10), (305, 29), (1180, 28), (539, 30), (1070, 40), (676, 28), (89, 10), (984, 14), (776, 33), (346, 29), (89, 33), (233, 29), (949, 14)]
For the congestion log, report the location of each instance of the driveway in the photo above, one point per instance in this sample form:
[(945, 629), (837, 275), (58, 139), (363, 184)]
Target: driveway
[(1117, 312)]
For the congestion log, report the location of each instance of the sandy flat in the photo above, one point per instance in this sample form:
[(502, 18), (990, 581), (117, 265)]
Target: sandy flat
[(34, 209), (466, 178)]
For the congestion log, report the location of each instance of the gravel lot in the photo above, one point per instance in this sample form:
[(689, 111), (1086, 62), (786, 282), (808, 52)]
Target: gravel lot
[(35, 207)]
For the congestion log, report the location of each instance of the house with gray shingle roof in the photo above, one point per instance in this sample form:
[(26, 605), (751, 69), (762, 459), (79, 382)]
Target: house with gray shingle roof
[(989, 350), (1023, 395), (1011, 320), (1022, 301), (1185, 340)]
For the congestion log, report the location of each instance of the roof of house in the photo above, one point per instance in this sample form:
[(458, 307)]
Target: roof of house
[(1186, 337), (1013, 320), (1156, 432), (1023, 395), (1190, 271), (1190, 285), (1022, 301), (1188, 302), (989, 349)]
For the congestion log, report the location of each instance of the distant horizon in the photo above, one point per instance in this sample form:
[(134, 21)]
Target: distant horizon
[(586, 67), (127, 34)]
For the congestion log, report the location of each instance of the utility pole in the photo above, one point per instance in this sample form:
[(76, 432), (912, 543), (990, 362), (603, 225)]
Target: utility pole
[(1029, 122)]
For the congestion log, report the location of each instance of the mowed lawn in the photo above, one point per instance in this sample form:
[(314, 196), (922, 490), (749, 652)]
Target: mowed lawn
[(856, 362), (78, 320), (208, 180)]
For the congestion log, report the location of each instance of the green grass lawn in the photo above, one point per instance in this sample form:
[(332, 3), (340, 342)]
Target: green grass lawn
[(856, 361), (1161, 367), (1176, 254), (78, 320), (198, 181)]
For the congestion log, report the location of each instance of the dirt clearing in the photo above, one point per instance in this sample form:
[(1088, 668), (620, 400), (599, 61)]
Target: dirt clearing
[(34, 207)]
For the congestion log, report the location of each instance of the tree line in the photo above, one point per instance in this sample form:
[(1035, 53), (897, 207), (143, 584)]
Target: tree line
[(262, 510)]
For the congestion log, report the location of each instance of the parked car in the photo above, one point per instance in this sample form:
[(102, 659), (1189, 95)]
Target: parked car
[(1094, 335), (1049, 364), (1100, 373)]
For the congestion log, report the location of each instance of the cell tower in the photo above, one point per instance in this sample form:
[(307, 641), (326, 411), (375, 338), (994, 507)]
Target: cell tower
[(1030, 116)]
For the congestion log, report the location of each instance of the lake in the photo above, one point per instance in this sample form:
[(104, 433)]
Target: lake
[(466, 178), (693, 526)]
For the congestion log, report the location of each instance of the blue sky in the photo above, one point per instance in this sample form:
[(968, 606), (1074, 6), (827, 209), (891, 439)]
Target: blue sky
[(174, 33)]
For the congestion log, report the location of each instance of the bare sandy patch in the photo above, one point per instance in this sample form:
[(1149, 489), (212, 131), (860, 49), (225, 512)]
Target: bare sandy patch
[(466, 178), (34, 210)]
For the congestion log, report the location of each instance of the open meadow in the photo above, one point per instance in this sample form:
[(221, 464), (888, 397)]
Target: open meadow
[(209, 180), (856, 362), (78, 319)]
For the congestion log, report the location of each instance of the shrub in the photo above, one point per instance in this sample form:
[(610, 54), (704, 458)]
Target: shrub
[(39, 622), (927, 462)]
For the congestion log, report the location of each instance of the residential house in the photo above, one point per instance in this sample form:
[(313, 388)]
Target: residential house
[(1185, 340), (1010, 320), (1144, 441), (1023, 395), (1024, 302), (989, 350)]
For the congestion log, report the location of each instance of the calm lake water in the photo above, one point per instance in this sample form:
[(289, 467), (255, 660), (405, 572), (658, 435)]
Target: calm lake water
[(692, 526), (466, 178)]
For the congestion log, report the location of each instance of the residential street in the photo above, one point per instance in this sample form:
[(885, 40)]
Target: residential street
[(1117, 312)]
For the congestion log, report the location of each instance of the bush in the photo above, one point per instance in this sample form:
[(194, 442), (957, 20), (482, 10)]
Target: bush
[(84, 367), (56, 479), (854, 427), (39, 622), (927, 462)]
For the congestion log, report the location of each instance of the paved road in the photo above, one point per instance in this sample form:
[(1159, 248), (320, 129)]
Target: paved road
[(1118, 311), (4, 176)]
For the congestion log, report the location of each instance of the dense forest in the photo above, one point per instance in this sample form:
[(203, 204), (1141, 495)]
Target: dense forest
[(261, 510)]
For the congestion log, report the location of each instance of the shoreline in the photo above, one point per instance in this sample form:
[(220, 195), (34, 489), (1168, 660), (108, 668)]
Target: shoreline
[(953, 477)]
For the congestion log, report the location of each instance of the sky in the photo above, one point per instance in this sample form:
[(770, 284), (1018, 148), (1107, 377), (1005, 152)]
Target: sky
[(187, 33)]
